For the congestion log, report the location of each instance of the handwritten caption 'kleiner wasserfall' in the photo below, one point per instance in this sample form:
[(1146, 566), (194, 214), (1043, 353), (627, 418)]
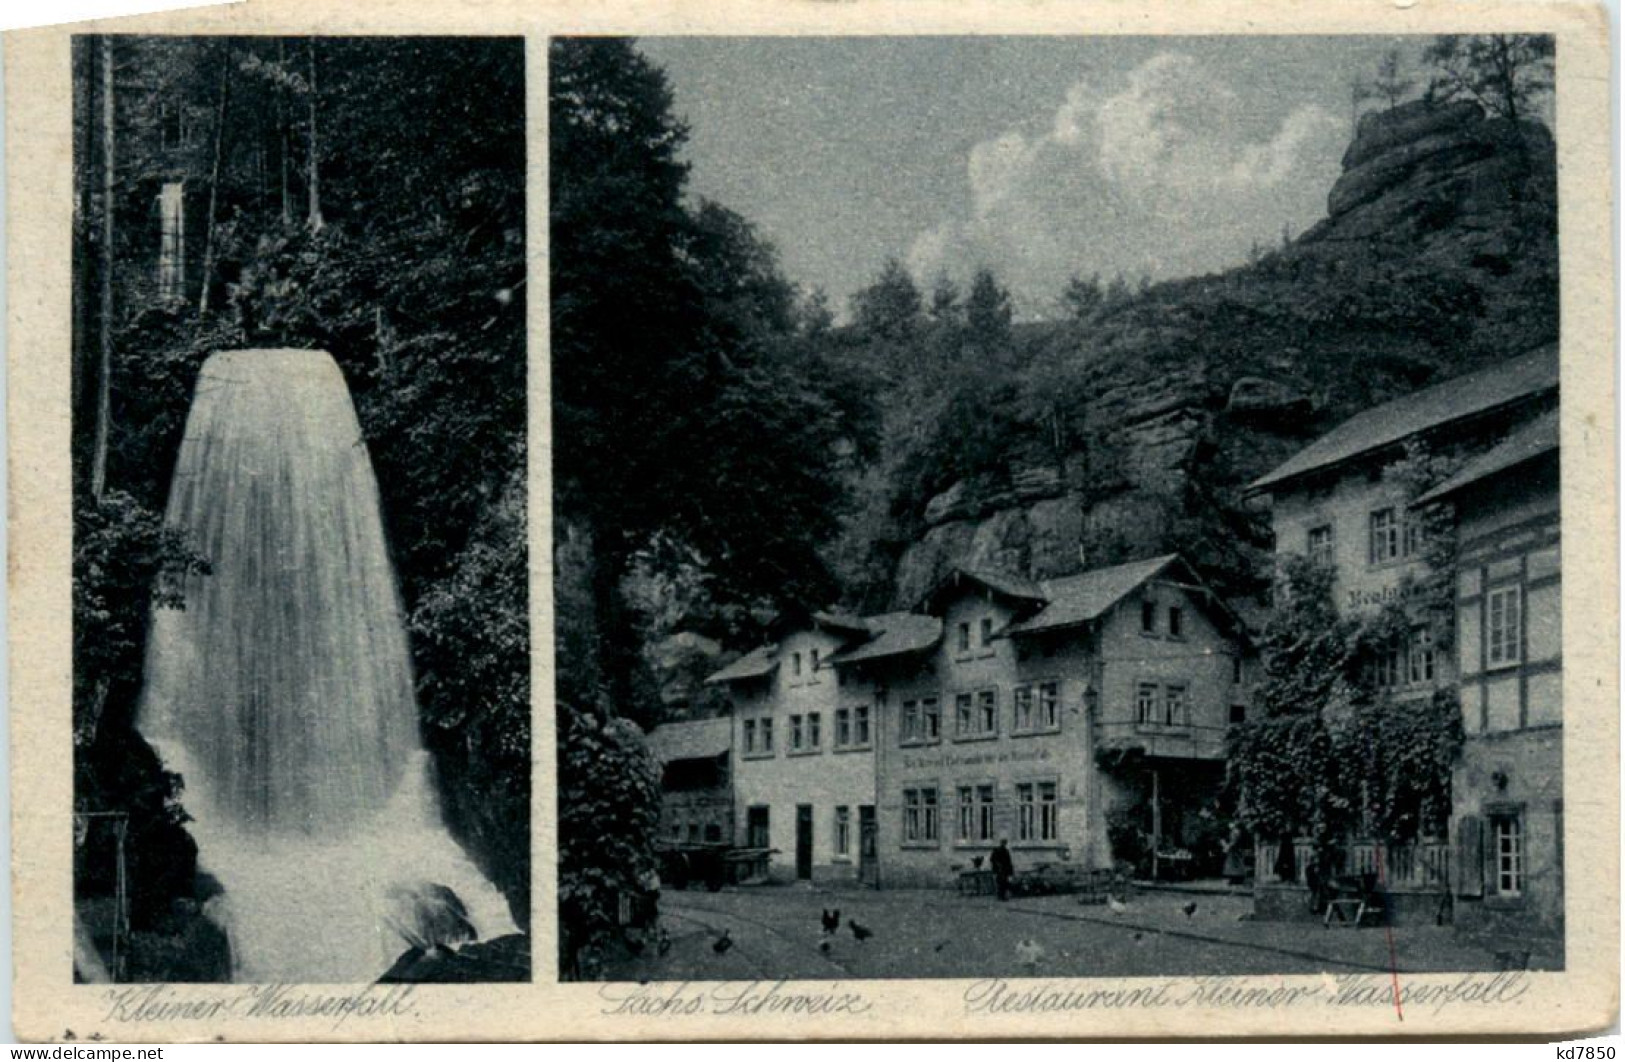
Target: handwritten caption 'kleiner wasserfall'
[(998, 996), (730, 997), (165, 1003)]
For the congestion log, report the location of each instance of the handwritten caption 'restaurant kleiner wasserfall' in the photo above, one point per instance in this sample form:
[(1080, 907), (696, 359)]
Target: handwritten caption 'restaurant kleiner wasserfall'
[(998, 996), (165, 1003)]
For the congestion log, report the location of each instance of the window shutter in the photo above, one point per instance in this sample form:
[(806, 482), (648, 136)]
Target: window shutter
[(1470, 856)]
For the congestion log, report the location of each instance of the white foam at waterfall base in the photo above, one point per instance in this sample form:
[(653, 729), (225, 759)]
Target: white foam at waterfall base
[(315, 909), (283, 691)]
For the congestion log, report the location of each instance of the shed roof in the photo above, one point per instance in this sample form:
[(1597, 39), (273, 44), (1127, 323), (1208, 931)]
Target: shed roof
[(896, 633), (1538, 437), (1455, 399), (690, 739), (1078, 599), (758, 663)]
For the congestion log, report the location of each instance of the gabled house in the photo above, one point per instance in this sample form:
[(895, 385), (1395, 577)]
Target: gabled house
[(803, 734), (1082, 719)]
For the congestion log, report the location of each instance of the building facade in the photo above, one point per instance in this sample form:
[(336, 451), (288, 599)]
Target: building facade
[(1081, 719), (803, 733), (1507, 788), (696, 784), (1341, 503)]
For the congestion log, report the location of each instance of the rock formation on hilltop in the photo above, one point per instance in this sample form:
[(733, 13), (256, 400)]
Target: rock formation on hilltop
[(1437, 254)]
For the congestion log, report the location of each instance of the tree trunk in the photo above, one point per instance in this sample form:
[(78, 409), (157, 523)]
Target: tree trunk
[(104, 368), (84, 277), (282, 134), (315, 217), (214, 181)]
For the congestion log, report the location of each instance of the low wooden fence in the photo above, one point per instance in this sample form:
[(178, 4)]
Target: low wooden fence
[(1422, 867)]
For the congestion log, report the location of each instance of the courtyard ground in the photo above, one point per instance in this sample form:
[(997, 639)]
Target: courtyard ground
[(776, 934)]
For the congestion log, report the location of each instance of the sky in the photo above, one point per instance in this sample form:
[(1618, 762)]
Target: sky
[(1039, 158)]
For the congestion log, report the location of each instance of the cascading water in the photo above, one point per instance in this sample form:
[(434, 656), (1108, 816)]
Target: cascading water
[(283, 692)]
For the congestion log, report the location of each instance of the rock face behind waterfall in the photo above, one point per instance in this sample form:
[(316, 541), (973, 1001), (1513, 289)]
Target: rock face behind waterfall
[(283, 692)]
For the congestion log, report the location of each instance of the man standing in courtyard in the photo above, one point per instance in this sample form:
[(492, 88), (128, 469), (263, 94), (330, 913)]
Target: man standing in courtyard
[(1003, 868)]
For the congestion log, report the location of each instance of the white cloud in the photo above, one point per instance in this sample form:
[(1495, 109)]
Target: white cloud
[(1170, 174)]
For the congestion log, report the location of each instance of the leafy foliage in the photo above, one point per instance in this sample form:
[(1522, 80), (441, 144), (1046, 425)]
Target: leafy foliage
[(609, 809), (1333, 754)]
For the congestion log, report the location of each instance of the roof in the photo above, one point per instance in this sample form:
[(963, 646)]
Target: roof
[(1453, 400), (758, 663), (691, 739), (1078, 599), (896, 633), (1534, 439), (998, 582)]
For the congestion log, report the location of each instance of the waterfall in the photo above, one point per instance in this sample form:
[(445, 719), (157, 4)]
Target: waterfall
[(283, 691)]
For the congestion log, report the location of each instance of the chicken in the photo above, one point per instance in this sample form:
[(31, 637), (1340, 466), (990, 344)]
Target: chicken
[(1189, 909), (723, 943), (1116, 906), (1029, 953), (861, 932), (831, 921)]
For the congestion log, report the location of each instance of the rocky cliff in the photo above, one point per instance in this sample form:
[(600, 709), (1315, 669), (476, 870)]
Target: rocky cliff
[(1437, 254)]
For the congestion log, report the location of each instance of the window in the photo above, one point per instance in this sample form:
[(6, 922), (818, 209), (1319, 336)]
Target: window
[(795, 664), (1176, 621), (1386, 666), (843, 727), (797, 735), (920, 816), (1384, 536), (1416, 538), (1419, 657), (843, 830), (693, 831), (1238, 713), (1022, 708), (976, 714), (1507, 831), (1145, 704), (750, 736), (921, 720), (1148, 617), (964, 637), (171, 241), (1235, 670), (815, 736), (987, 630), (766, 731), (1321, 545), (757, 832), (987, 712), (860, 725), (976, 813), (1036, 707), (1174, 707), (1037, 813), (1049, 705), (812, 660), (1504, 626)]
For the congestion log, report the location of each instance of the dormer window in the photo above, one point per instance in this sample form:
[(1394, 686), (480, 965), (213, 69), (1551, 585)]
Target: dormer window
[(1148, 617), (987, 630), (795, 664), (812, 660), (964, 637), (1176, 621)]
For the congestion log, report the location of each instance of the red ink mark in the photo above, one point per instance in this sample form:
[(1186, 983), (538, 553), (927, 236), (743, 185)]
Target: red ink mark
[(1388, 926)]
